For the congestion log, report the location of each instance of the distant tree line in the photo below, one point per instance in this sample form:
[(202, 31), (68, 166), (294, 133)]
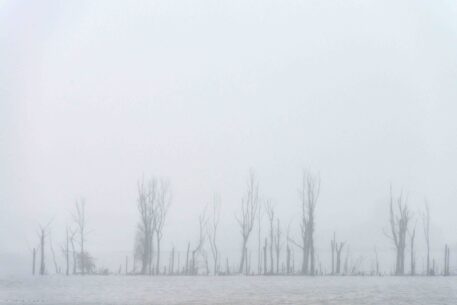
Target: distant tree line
[(203, 257)]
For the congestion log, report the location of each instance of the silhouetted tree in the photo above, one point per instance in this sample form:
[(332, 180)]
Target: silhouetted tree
[(399, 226), (160, 214), (426, 223), (271, 215), (247, 215), (212, 232), (80, 220), (278, 244)]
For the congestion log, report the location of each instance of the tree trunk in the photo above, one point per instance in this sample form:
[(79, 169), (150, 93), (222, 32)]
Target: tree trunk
[(243, 256), (158, 256)]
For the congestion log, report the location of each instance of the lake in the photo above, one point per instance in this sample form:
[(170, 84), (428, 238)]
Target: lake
[(228, 290)]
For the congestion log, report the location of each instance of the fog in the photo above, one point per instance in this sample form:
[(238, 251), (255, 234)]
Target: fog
[(95, 96)]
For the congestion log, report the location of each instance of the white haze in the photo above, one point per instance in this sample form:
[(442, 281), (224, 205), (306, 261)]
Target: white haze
[(96, 94)]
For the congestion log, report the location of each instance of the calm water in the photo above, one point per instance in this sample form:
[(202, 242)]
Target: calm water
[(229, 290)]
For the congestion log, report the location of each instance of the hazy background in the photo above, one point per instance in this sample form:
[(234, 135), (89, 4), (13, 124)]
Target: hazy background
[(93, 95)]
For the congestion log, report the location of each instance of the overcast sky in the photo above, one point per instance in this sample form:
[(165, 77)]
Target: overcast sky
[(96, 94)]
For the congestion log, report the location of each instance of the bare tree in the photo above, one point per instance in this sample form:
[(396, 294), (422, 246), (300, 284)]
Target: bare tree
[(288, 251), (73, 249), (145, 205), (160, 211), (247, 215), (259, 241), (426, 223), (399, 226), (66, 252), (80, 220), (333, 246), (212, 232), (412, 253), (42, 236), (34, 260), (56, 267), (278, 244), (446, 261), (202, 222), (309, 193), (338, 249), (269, 208)]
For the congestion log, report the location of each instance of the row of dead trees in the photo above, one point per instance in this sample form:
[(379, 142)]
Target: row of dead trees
[(401, 231), (269, 245), (73, 249), (154, 200)]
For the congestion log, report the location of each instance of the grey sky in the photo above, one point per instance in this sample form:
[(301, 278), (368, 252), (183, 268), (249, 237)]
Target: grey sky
[(95, 95)]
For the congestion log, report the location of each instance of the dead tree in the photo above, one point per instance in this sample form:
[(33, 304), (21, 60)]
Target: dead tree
[(247, 215), (338, 250), (80, 220), (265, 271), (66, 252), (446, 261), (271, 215), (42, 237), (412, 253), (309, 193), (278, 244), (73, 249), (42, 263), (288, 252), (187, 259), (56, 267), (399, 221), (33, 262), (212, 232), (333, 246), (146, 205), (259, 236), (160, 214), (426, 223), (202, 221)]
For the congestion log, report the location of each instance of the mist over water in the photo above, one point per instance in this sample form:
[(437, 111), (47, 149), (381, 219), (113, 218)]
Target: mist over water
[(288, 137)]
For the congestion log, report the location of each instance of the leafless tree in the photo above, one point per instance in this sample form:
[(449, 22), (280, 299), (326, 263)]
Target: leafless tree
[(288, 251), (56, 267), (265, 271), (247, 215), (144, 236), (34, 260), (426, 223), (80, 221), (377, 261), (399, 221), (42, 236), (278, 244), (212, 232), (259, 241), (338, 249), (73, 249), (446, 268), (66, 252), (309, 193), (269, 209), (160, 213), (202, 222), (333, 247), (412, 236)]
